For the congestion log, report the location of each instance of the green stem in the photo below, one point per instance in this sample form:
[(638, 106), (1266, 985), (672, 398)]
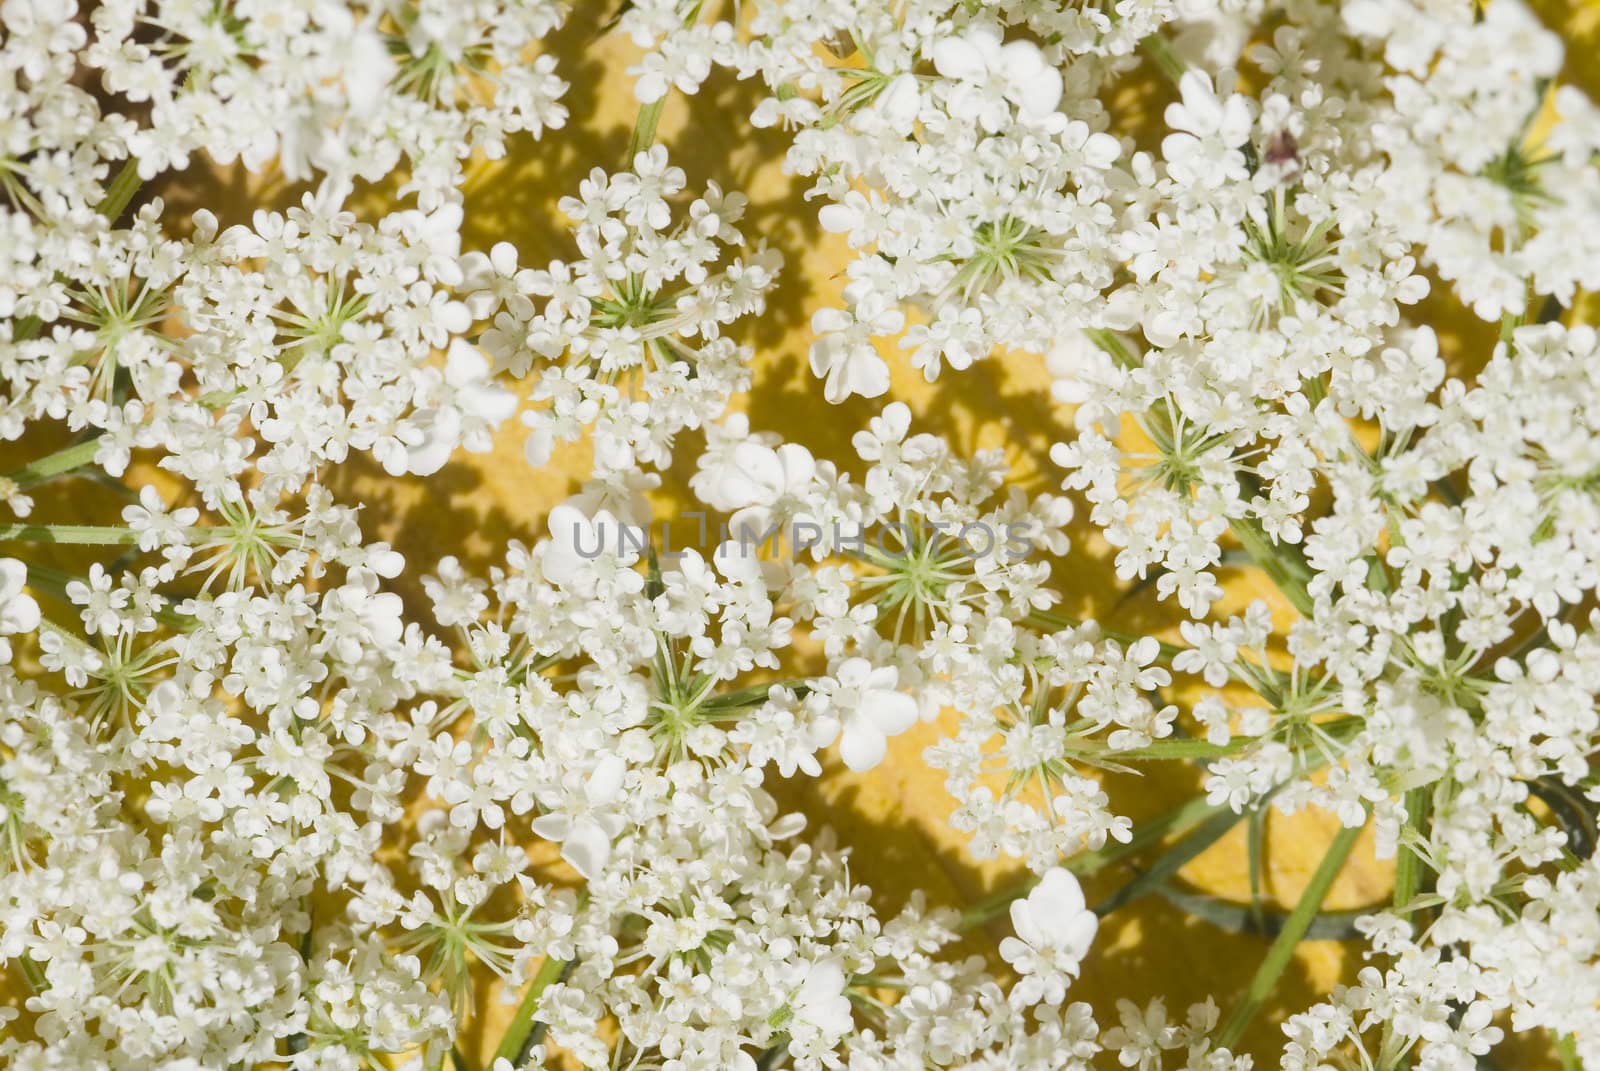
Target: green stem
[(520, 1036), (644, 128), (1164, 56), (98, 535), (1407, 882), (62, 461), (31, 972), (1407, 863), (1294, 928), (1196, 823), (1283, 563), (1108, 341), (1255, 831), (1178, 820), (1174, 859), (121, 190), (755, 695), (1244, 919), (1567, 1052), (1175, 748)]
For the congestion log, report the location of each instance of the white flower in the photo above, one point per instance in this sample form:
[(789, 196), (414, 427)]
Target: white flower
[(990, 73), (583, 550), (864, 699), (18, 611), (358, 617), (1241, 339), (899, 101), (155, 525), (1210, 133), (753, 474), (843, 353), (477, 405), (755, 481), (1054, 932), (821, 1009), (585, 826)]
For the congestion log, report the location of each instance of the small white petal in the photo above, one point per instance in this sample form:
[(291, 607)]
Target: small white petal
[(587, 847), (862, 747), (955, 57)]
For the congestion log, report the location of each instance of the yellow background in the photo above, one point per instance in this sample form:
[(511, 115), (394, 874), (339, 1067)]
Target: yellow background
[(893, 817)]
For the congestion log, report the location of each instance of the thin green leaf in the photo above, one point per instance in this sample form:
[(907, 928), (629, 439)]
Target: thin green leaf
[(1174, 859), (1179, 820), (1246, 919), (1283, 564), (121, 191), (31, 973), (1294, 929), (754, 695), (1178, 748)]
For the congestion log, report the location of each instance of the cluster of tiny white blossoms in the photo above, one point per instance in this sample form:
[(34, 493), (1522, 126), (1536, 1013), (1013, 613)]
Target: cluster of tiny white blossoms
[(272, 794), (629, 339)]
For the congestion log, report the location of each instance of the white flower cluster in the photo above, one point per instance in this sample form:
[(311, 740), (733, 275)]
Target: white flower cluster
[(256, 808), (341, 92), (628, 339)]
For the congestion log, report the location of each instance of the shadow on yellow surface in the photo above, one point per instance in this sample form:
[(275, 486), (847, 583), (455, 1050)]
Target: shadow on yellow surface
[(894, 818)]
